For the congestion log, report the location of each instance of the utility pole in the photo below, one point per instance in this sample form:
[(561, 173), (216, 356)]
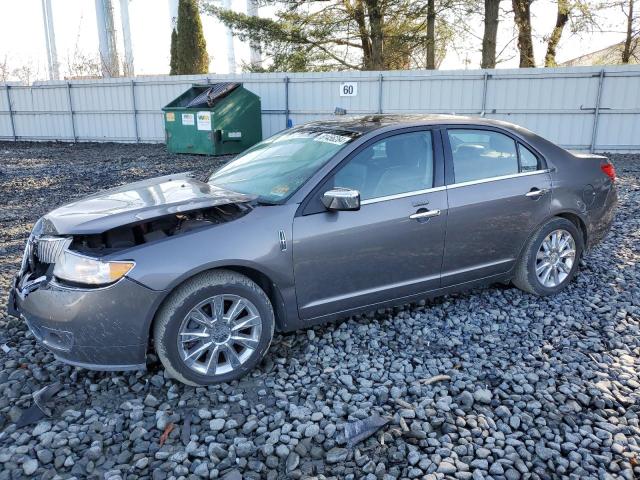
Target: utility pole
[(127, 66), (107, 39), (231, 52), (50, 39), (255, 57)]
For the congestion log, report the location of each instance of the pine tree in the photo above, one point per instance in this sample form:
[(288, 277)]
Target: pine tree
[(191, 51), (173, 62)]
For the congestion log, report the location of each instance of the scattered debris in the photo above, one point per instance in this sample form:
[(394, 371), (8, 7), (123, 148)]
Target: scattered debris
[(5, 348), (185, 434), (356, 432), (403, 425), (39, 409), (434, 379), (404, 404), (165, 435)]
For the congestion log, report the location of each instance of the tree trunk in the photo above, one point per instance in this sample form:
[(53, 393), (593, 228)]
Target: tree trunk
[(431, 35), (626, 52), (376, 23), (358, 14), (491, 15), (562, 17), (522, 13)]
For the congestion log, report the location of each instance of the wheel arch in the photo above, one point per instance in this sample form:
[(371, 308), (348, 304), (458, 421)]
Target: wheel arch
[(567, 215), (270, 288), (578, 222)]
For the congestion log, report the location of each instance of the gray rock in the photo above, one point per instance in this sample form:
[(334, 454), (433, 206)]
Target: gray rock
[(216, 424), (202, 470), (482, 396), (293, 460), (45, 456), (446, 468), (30, 466), (465, 399), (336, 455)]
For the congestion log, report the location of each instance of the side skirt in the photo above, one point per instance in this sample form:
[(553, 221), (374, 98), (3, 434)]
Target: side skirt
[(482, 282)]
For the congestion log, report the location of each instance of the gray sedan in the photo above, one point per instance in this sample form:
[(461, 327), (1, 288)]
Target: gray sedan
[(318, 222)]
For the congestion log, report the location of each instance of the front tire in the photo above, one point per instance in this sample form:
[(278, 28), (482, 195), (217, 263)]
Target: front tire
[(214, 328), (550, 258)]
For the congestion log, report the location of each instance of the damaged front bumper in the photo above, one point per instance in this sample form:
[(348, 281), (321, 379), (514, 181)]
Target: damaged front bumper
[(96, 328)]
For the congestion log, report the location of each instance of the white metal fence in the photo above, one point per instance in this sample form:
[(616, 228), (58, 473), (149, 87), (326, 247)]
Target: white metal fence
[(588, 108)]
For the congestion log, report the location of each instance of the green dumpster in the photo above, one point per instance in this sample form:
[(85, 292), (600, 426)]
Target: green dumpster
[(213, 119)]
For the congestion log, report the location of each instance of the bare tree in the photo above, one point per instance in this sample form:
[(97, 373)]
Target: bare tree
[(81, 64), (562, 17), (522, 14), (4, 69), (25, 73), (431, 35), (490, 35), (633, 33)]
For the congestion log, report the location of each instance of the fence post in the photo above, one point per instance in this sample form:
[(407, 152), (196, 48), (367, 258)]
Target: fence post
[(380, 93), (70, 106), (484, 94), (596, 112), (13, 127), (135, 111), (286, 101)]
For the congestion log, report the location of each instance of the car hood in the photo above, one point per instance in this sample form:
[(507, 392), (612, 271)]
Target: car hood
[(137, 202)]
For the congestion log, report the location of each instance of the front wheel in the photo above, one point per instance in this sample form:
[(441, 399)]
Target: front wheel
[(214, 328), (550, 259)]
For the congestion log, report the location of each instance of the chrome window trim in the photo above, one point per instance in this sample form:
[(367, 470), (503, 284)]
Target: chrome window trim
[(495, 179), (369, 201)]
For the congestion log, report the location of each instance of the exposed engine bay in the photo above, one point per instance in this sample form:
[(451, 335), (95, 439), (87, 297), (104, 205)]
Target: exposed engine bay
[(128, 236)]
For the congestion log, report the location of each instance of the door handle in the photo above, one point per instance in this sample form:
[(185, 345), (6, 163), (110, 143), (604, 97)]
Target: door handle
[(536, 192), (427, 214)]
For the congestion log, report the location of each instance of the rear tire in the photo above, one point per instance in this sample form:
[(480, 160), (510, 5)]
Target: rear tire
[(214, 328), (550, 258)]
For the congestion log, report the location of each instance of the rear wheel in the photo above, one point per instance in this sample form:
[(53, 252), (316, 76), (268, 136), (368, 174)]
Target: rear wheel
[(550, 259), (214, 328)]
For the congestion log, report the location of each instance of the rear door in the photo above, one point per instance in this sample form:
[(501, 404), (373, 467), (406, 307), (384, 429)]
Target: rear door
[(499, 191), (392, 247)]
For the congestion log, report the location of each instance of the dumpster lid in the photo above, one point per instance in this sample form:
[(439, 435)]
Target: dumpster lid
[(211, 93)]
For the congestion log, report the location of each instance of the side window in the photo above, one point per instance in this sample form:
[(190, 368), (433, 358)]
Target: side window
[(479, 154), (398, 164), (528, 161)]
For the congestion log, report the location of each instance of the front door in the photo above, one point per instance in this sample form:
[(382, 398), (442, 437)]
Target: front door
[(392, 247), (500, 193)]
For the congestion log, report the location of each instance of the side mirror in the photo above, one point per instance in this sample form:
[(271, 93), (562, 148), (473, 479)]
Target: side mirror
[(340, 198)]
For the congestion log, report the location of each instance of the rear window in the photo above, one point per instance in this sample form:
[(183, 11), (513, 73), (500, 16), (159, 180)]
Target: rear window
[(528, 161), (481, 154)]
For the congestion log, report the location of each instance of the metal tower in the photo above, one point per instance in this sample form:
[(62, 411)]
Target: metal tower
[(127, 65), (50, 39), (107, 39)]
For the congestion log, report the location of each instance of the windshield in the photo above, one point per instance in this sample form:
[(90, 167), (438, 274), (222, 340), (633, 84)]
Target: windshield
[(275, 168)]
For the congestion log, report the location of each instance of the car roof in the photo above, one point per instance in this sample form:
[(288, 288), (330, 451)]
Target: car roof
[(368, 123)]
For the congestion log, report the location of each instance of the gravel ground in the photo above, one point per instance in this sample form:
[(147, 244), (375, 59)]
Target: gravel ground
[(539, 387)]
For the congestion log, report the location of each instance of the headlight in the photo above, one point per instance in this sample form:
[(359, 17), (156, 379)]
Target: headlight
[(80, 269)]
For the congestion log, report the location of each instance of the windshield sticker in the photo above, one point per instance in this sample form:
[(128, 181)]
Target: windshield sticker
[(332, 138), (280, 190)]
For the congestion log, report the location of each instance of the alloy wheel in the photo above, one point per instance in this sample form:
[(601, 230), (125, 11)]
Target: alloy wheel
[(555, 258), (219, 334)]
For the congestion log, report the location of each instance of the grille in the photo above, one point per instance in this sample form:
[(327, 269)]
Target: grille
[(48, 249)]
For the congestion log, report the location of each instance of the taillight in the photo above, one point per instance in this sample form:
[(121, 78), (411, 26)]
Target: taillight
[(609, 171)]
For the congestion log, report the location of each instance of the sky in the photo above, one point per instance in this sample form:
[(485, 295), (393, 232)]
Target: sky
[(22, 40)]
